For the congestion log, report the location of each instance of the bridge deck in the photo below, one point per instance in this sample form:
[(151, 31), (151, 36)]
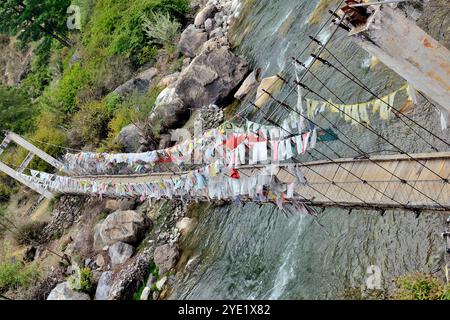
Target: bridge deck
[(329, 184)]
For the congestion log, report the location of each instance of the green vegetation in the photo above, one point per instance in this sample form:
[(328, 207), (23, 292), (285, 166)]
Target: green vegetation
[(161, 28), (152, 271), (418, 286), (31, 20), (16, 274), (82, 281), (17, 113)]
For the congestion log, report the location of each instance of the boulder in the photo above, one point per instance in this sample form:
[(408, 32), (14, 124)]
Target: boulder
[(100, 261), (191, 41), (120, 252), (129, 138), (127, 204), (112, 205), (249, 85), (168, 80), (185, 225), (126, 226), (63, 292), (211, 76), (145, 294), (165, 257), (205, 13), (104, 286), (169, 110), (75, 58), (192, 264), (160, 283), (271, 85), (216, 33), (210, 79), (209, 25), (140, 83)]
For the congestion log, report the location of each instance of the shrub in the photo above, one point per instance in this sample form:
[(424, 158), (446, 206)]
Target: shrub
[(419, 286), (63, 96), (30, 233), (82, 281), (160, 28), (17, 274), (90, 123), (50, 132), (17, 113)]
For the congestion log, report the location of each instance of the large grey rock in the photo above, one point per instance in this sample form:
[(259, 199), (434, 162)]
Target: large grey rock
[(120, 252), (205, 13), (209, 25), (145, 294), (211, 76), (209, 79), (104, 286), (165, 257), (75, 58), (140, 83), (191, 41), (128, 280), (168, 80), (63, 292), (129, 138), (250, 84), (126, 226)]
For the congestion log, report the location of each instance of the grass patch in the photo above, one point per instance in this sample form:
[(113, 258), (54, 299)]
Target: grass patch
[(419, 286), (17, 274)]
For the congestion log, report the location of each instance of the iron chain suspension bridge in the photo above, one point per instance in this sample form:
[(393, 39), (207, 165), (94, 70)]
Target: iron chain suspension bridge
[(264, 162)]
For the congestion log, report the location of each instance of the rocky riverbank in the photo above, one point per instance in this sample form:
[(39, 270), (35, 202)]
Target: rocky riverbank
[(125, 249)]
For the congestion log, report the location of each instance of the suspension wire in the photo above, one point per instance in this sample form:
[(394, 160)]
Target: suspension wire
[(368, 158), (315, 171), (326, 23), (356, 80), (320, 50), (281, 103), (371, 129), (342, 167), (342, 101)]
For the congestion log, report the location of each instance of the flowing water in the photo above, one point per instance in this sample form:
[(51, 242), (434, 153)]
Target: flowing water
[(257, 252)]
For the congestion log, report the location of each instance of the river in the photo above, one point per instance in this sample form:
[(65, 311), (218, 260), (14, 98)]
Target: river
[(257, 252)]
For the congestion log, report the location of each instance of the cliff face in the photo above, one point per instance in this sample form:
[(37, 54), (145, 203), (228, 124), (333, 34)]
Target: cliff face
[(14, 64)]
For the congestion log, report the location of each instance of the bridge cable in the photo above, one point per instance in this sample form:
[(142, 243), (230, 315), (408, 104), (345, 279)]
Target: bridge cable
[(376, 163), (357, 81)]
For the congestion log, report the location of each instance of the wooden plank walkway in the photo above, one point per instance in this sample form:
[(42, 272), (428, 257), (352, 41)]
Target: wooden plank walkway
[(331, 185)]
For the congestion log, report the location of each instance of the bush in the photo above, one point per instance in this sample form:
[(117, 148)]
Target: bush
[(30, 233), (90, 123), (50, 132), (82, 281), (418, 286), (17, 274), (17, 113), (160, 28)]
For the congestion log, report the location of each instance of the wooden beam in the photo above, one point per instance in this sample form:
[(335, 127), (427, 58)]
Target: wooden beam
[(405, 48), (36, 151), (26, 162), (17, 176)]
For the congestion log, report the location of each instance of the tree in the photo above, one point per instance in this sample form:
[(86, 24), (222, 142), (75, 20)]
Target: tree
[(17, 113), (31, 20)]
